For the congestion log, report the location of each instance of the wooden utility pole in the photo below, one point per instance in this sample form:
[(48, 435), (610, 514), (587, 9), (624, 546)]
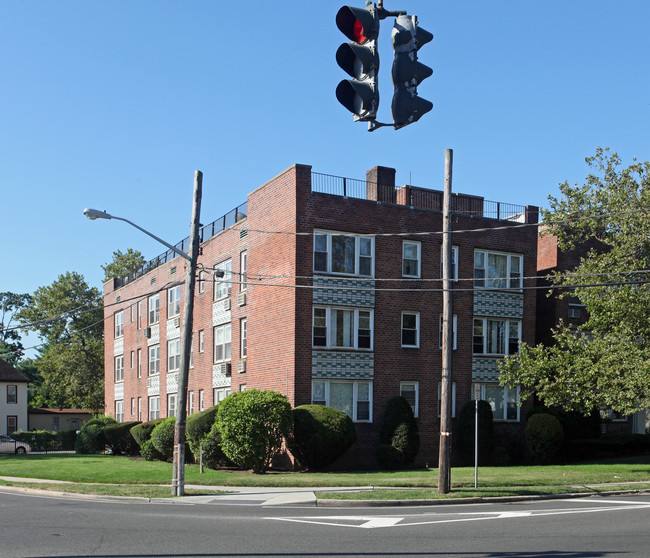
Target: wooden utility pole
[(178, 474), (444, 469)]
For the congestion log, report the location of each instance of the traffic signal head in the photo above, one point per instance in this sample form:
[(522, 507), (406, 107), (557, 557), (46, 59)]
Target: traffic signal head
[(360, 60), (407, 72)]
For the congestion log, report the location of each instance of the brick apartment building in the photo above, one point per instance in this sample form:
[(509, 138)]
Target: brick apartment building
[(332, 295)]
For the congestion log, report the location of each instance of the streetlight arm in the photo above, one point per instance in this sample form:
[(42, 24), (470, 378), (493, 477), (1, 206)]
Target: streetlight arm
[(93, 214)]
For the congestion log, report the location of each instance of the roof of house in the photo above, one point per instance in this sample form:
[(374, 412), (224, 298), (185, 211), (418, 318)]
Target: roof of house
[(9, 374), (44, 411)]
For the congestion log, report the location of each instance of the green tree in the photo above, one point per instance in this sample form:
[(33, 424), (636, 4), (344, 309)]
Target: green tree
[(604, 364), (68, 315), (123, 264), (11, 347)]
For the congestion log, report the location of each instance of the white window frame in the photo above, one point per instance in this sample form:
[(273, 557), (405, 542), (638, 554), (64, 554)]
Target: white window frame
[(139, 363), (173, 355), (190, 402), (454, 332), (201, 341), (222, 285), (174, 302), (172, 399), (326, 385), (119, 368), (154, 407), (486, 278), (140, 408), (488, 326), (153, 368), (201, 281), (225, 345), (219, 394), (418, 258), (323, 253), (201, 400), (119, 410), (453, 399), (507, 399), (417, 329), (243, 270), (243, 335), (119, 324), (416, 390), (140, 314), (330, 316), (153, 304)]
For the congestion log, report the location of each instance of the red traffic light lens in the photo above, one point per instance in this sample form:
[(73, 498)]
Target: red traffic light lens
[(359, 36)]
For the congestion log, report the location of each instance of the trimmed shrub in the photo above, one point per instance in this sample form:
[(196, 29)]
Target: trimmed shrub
[(91, 437), (253, 425), (213, 455), (119, 438), (544, 437), (399, 430), (142, 435), (199, 426), (162, 438), (466, 432), (320, 435)]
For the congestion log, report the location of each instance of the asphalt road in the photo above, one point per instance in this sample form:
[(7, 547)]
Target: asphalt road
[(38, 526)]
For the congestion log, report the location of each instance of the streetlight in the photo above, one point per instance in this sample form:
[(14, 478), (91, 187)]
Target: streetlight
[(178, 474)]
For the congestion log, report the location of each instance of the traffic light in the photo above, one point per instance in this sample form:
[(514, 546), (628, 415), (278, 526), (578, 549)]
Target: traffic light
[(408, 73), (360, 59)]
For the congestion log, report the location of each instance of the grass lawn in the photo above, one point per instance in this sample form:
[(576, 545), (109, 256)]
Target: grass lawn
[(108, 470)]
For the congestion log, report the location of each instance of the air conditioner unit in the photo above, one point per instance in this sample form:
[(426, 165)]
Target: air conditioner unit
[(226, 304), (241, 299), (241, 366), (228, 367), (147, 332), (177, 322)]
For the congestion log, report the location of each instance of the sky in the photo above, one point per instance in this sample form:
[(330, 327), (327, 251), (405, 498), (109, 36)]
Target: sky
[(114, 105)]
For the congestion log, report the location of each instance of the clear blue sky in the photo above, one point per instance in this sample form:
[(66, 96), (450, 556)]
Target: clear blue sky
[(113, 105)]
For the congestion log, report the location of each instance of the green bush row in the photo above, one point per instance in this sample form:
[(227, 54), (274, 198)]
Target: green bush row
[(44, 440)]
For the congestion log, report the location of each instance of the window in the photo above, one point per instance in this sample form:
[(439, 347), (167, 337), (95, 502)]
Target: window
[(190, 402), (173, 355), (575, 308), (342, 328), (154, 309), (352, 397), (119, 324), (411, 258), (454, 330), (453, 399), (12, 424), (411, 392), (201, 281), (496, 270), (132, 307), (56, 424), (220, 394), (119, 411), (139, 363), (192, 350), (503, 400), (201, 400), (201, 341), (154, 360), (222, 284), (154, 407), (454, 263), (12, 394), (242, 333), (410, 329), (343, 253), (132, 407), (222, 340), (140, 314), (119, 368), (243, 387), (174, 302), (243, 270), (139, 408), (171, 405), (132, 360), (496, 337)]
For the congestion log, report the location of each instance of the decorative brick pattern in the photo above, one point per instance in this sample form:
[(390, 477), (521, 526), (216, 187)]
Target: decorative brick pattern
[(155, 335), (485, 369), (342, 365), (118, 346), (119, 392), (499, 304), (172, 382), (340, 291), (219, 379), (173, 331), (153, 385), (219, 313)]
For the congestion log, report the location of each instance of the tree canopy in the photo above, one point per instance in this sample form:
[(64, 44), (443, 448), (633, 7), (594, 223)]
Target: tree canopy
[(123, 264), (605, 363), (68, 315), (11, 347)]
